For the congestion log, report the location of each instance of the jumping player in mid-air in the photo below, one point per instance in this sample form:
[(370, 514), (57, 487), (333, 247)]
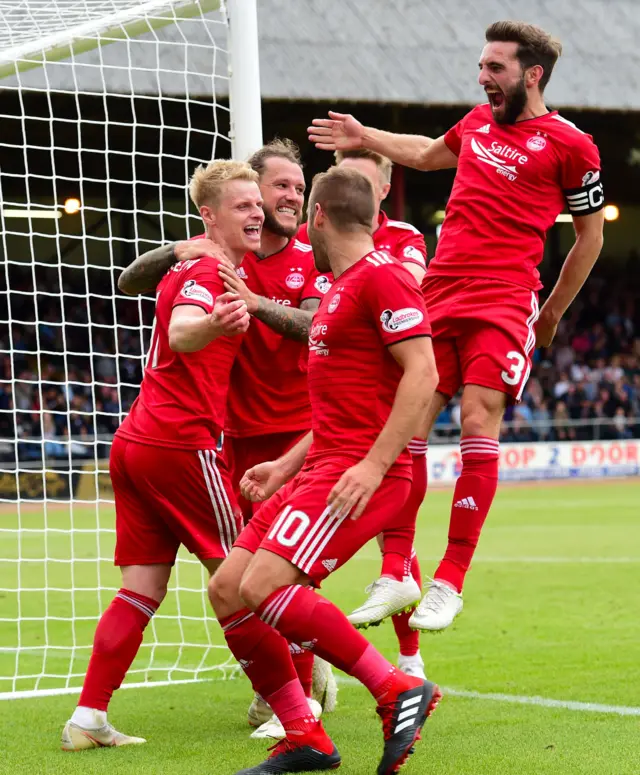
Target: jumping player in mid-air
[(519, 165)]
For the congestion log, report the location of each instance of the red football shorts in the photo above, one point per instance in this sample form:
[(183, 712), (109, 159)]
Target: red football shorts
[(483, 333), (167, 497), (297, 525), (242, 454)]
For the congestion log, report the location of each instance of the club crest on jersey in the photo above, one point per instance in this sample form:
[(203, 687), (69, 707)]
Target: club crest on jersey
[(333, 304), (536, 143), (191, 290), (322, 284), (241, 272), (401, 319), (294, 280)]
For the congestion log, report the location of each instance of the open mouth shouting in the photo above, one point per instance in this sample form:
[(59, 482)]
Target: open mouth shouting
[(496, 97)]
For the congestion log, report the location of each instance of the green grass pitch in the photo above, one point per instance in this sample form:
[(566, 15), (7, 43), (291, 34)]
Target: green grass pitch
[(551, 611)]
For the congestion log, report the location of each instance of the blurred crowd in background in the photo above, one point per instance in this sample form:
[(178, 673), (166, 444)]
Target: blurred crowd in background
[(69, 370)]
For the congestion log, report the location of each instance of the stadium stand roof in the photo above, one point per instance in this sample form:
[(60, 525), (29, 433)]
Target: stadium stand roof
[(408, 51)]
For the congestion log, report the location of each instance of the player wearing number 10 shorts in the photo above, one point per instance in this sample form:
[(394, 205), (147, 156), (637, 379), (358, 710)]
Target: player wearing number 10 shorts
[(518, 166)]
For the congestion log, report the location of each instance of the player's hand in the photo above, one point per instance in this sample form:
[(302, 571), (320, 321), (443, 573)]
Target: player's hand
[(261, 481), (339, 132), (230, 315), (235, 284), (546, 328), (354, 489), (187, 250)]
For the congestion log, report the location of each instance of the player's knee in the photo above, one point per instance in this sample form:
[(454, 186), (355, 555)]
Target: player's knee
[(223, 592), (481, 418), (253, 590)]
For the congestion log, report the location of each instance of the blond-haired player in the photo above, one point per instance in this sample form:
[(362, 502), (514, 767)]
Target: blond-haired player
[(170, 487)]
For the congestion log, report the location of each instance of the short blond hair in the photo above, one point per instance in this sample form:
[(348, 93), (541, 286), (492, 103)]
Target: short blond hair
[(207, 182), (384, 164)]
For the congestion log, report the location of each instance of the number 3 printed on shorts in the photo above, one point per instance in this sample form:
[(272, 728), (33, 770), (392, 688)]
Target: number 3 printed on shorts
[(514, 375)]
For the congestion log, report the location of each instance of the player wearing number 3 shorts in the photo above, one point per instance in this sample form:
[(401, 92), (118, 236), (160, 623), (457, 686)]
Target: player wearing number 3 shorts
[(518, 166)]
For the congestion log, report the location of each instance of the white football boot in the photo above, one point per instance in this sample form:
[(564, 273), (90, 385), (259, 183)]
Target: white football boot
[(413, 666), (259, 711), (89, 728), (324, 689), (387, 597), (437, 609), (273, 728)]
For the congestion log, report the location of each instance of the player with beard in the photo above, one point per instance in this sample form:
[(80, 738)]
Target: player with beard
[(518, 165), (268, 409)]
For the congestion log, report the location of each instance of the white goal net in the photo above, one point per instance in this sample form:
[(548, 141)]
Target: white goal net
[(106, 107)]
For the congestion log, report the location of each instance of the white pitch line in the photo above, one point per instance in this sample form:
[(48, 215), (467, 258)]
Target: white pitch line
[(542, 702)]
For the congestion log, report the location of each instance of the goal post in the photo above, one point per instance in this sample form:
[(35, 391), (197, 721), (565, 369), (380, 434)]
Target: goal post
[(106, 106)]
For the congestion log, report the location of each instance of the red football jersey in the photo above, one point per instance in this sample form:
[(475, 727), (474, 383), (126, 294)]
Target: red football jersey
[(352, 376), (400, 239), (183, 396), (512, 182), (269, 381)]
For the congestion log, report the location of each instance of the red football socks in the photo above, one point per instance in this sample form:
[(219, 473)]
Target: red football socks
[(313, 622), (472, 499), (303, 664), (408, 639), (115, 645)]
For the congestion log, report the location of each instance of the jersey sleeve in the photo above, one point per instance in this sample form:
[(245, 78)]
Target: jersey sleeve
[(199, 286), (412, 249), (317, 285), (395, 303), (581, 181), (453, 137)]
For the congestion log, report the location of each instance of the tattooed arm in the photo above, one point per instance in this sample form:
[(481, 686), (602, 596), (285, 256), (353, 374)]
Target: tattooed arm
[(291, 322), (147, 270)]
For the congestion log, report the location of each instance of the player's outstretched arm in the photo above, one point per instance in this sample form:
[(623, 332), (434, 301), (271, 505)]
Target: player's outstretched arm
[(575, 270), (191, 328), (263, 480), (413, 395), (144, 274), (342, 132), (291, 322)]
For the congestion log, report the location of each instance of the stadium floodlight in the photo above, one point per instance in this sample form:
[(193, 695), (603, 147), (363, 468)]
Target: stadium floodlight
[(71, 206), (116, 101), (611, 212)]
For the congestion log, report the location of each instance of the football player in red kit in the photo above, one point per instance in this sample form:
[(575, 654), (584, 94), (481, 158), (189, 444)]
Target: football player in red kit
[(370, 339), (268, 408), (170, 487), (397, 591), (518, 166)]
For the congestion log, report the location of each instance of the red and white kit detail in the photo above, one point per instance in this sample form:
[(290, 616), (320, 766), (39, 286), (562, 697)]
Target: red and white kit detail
[(269, 376), (169, 485), (352, 385), (400, 239), (481, 287), (511, 183)]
